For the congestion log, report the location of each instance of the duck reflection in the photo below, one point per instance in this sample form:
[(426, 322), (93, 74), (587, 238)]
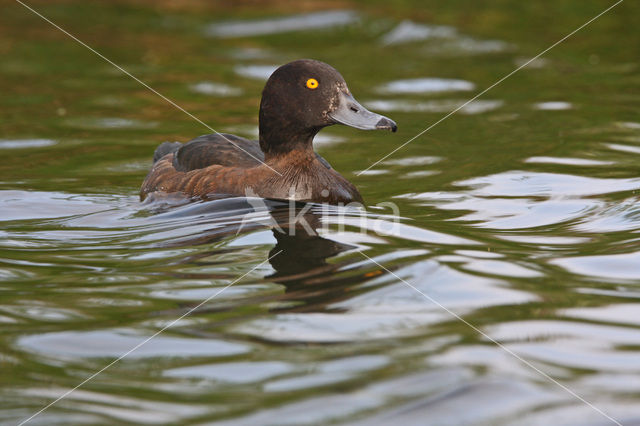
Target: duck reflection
[(300, 257), (300, 251)]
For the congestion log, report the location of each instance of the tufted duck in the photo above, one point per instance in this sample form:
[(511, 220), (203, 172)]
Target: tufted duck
[(299, 99)]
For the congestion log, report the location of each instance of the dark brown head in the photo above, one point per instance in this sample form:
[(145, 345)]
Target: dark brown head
[(302, 97)]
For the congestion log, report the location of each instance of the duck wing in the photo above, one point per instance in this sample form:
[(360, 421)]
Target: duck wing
[(165, 148), (206, 150)]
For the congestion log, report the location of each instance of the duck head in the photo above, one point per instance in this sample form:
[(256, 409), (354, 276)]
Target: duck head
[(302, 97)]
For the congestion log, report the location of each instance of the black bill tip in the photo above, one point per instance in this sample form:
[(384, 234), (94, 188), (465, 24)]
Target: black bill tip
[(387, 124)]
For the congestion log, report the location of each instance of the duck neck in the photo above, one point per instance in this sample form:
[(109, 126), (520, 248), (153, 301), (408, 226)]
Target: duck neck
[(278, 144)]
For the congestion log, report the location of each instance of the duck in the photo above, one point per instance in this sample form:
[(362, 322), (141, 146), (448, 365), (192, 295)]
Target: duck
[(299, 99)]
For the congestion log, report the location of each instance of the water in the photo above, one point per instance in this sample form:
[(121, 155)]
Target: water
[(519, 215)]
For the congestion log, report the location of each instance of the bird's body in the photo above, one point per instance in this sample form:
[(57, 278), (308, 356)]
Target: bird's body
[(210, 164)]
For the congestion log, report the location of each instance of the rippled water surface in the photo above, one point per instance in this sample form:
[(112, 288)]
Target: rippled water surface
[(504, 289)]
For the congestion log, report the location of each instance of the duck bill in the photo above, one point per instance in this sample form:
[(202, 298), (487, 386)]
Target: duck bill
[(350, 113)]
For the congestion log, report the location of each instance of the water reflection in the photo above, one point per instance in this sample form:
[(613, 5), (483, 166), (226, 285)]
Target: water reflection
[(215, 89), (435, 106), (259, 72), (25, 143), (425, 86), (301, 22), (408, 31), (300, 254)]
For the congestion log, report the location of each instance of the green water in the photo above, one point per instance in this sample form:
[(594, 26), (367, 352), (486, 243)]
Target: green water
[(509, 285)]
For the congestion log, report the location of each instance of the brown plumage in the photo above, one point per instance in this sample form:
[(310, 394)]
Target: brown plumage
[(282, 164)]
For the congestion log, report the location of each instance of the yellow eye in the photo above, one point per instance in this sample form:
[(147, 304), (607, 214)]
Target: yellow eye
[(312, 83)]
